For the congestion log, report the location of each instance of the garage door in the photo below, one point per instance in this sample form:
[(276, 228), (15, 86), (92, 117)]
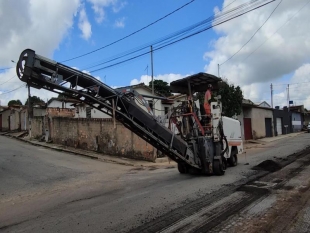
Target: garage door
[(279, 126)]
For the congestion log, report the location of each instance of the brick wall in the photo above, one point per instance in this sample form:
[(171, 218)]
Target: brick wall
[(60, 112), (96, 135)]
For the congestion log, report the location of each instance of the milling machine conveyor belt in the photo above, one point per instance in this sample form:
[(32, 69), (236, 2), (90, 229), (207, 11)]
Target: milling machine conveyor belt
[(40, 72)]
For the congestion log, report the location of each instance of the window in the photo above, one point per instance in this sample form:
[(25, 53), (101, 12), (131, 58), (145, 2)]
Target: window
[(166, 112), (151, 104)]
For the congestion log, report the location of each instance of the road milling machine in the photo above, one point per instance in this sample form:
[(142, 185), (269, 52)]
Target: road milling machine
[(196, 142)]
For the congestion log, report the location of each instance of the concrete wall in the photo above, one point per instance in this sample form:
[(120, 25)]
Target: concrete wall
[(37, 127), (37, 112), (5, 120), (240, 118), (258, 116), (95, 134), (14, 120), (24, 119)]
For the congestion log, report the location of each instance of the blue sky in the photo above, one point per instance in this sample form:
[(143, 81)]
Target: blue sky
[(278, 53), (183, 58)]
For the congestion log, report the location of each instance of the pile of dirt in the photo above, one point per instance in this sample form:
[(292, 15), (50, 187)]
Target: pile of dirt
[(268, 165)]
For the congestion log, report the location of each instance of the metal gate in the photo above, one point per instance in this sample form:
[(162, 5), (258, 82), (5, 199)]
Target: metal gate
[(247, 128), (268, 127), (279, 126)]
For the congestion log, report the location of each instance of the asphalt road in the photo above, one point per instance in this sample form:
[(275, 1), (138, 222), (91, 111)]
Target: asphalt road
[(47, 191)]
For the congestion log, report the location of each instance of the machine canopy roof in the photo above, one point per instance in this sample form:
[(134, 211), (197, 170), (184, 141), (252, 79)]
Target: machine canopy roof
[(198, 83)]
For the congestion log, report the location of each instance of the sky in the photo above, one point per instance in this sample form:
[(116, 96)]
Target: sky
[(277, 53)]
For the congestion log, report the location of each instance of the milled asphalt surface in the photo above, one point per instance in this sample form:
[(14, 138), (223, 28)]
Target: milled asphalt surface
[(48, 191)]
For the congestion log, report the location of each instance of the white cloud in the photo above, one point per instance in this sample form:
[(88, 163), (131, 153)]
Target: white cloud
[(99, 5), (298, 89), (120, 23), (9, 81), (165, 77), (117, 8), (29, 24), (281, 55), (84, 24)]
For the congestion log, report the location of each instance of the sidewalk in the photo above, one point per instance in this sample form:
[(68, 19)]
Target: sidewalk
[(250, 144), (164, 162), (263, 141)]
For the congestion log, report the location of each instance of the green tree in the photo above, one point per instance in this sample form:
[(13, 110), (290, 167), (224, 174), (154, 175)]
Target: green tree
[(35, 100), (14, 102), (231, 98), (161, 87), (64, 95)]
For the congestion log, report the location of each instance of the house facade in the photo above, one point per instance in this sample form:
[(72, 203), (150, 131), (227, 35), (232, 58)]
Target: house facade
[(256, 121), (282, 121), (13, 118)]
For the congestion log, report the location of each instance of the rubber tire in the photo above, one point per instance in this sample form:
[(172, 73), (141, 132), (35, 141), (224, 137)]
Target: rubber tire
[(233, 160), (219, 167), (182, 168)]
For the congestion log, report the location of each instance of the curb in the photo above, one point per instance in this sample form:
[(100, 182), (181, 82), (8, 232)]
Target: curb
[(53, 148), (82, 154)]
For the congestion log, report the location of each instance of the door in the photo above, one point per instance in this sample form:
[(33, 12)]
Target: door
[(279, 126), (268, 127), (1, 122), (247, 128)]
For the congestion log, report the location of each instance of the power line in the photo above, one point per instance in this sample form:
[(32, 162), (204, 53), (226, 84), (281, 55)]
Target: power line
[(215, 22), (253, 34), (163, 39), (131, 34), (207, 22), (285, 84), (24, 85), (7, 80), (277, 30)]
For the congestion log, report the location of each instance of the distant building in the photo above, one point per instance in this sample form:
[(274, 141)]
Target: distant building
[(264, 104), (13, 118)]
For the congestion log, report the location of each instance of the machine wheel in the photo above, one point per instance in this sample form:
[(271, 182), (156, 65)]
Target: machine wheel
[(219, 167), (233, 160), (183, 169)]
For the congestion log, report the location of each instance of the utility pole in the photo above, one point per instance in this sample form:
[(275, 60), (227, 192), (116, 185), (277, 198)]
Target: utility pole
[(152, 70), (154, 150), (29, 119), (271, 90), (288, 96), (218, 70)]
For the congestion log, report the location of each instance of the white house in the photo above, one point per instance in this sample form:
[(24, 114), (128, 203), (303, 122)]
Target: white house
[(264, 104), (143, 89), (81, 110)]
